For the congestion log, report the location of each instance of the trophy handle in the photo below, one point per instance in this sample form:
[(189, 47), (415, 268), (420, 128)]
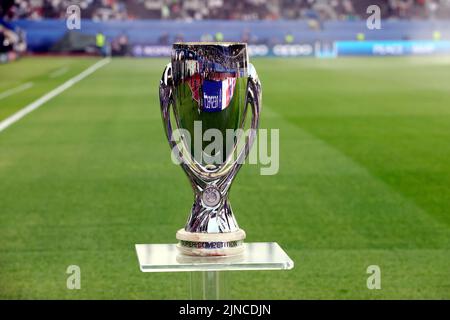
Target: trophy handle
[(166, 100), (189, 165), (254, 99)]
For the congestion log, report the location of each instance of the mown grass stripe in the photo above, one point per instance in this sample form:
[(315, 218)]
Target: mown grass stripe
[(50, 95)]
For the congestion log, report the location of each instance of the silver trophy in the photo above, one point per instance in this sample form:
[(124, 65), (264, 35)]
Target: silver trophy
[(210, 86)]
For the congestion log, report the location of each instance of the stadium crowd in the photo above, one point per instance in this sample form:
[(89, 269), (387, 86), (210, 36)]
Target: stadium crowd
[(225, 9)]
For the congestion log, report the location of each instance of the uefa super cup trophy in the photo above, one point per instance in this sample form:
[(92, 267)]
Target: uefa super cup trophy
[(210, 86)]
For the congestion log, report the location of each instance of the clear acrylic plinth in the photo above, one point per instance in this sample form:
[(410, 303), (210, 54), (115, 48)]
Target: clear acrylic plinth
[(208, 281)]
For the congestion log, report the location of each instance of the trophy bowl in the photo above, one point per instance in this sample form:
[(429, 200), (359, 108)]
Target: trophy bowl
[(205, 94)]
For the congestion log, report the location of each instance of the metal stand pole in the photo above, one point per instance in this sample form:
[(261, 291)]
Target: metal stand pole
[(208, 285)]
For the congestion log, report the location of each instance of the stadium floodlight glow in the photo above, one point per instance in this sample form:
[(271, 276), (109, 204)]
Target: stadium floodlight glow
[(213, 83)]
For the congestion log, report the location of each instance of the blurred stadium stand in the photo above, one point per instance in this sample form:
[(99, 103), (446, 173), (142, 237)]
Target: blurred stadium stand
[(101, 10), (273, 27)]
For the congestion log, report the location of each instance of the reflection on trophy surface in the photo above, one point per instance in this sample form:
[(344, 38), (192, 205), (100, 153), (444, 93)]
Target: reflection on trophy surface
[(212, 90)]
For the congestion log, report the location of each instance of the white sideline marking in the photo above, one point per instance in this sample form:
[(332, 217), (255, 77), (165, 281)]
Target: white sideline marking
[(59, 72), (48, 96), (17, 89)]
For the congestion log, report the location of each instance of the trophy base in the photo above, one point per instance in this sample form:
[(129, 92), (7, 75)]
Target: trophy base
[(210, 244)]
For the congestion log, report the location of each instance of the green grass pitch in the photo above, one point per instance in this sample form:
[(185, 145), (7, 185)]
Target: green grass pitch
[(364, 180)]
